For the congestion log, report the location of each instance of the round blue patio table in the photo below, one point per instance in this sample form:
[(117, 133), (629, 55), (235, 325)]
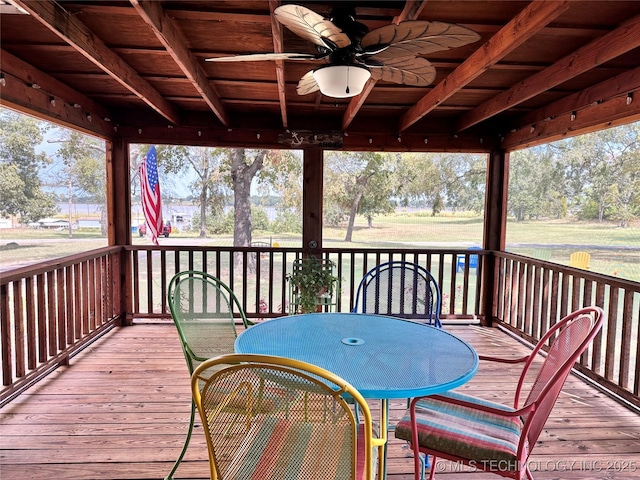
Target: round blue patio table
[(382, 357)]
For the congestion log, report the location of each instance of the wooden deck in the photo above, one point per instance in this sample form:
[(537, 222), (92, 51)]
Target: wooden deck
[(120, 411)]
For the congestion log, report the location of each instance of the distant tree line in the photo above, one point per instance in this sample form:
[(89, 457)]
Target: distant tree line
[(591, 177)]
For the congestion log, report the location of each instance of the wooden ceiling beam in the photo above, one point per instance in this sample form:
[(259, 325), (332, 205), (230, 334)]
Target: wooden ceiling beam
[(411, 11), (276, 31), (603, 115), (270, 139), (523, 26), (615, 43), (622, 84), (20, 95), (69, 28), (176, 44), (46, 83)]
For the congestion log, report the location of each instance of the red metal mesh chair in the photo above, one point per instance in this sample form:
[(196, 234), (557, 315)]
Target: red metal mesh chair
[(490, 436)]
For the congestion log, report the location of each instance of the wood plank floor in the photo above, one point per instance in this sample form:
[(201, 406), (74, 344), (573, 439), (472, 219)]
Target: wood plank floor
[(120, 411)]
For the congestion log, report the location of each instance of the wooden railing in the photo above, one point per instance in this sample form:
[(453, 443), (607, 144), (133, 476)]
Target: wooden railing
[(51, 310), (258, 276), (532, 295)]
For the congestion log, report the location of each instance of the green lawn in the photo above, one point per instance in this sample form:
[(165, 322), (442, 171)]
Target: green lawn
[(614, 251)]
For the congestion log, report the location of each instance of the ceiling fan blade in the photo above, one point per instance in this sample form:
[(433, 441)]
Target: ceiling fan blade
[(311, 26), (416, 37), (408, 70), (256, 57), (307, 84)]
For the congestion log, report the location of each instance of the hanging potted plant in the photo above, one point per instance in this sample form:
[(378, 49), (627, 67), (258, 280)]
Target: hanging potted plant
[(311, 284)]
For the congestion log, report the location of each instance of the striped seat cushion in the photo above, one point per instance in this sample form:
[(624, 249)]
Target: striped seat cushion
[(281, 449), (465, 432)]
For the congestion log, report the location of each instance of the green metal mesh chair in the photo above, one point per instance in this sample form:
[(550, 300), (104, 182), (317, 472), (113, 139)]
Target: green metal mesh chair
[(277, 418), (203, 309)]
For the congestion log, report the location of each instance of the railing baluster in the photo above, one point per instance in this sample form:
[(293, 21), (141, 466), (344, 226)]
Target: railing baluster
[(625, 344), (5, 332), (163, 281), (597, 342), (93, 312), (42, 317), (69, 303), (612, 329), (62, 321), (18, 330), (30, 312)]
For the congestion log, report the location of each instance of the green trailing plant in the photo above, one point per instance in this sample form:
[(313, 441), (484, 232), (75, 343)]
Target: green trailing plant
[(311, 280)]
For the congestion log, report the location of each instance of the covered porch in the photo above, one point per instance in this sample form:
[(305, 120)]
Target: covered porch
[(121, 408), (94, 382)]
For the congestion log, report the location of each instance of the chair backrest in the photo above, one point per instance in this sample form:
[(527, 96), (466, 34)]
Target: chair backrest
[(272, 417), (203, 309), (568, 339), (400, 289), (580, 260), (542, 254)]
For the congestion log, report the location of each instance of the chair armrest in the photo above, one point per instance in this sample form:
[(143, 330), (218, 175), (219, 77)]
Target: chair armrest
[(504, 360), (476, 406)]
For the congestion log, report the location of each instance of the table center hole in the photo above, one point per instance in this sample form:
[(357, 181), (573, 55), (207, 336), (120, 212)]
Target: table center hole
[(352, 341)]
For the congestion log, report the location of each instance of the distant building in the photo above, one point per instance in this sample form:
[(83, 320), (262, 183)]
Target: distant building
[(50, 223)]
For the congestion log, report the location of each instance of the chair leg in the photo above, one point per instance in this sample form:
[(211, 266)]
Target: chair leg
[(528, 472), (186, 443), (424, 458), (433, 468)]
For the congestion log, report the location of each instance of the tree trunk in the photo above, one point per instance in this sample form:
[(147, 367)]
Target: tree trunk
[(601, 208), (242, 174), (352, 216), (203, 213)]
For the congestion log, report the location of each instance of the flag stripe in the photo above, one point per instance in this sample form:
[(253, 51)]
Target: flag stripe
[(150, 194)]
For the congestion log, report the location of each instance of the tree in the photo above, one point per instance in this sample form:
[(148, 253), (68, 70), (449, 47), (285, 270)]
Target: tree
[(602, 169), (535, 184), (22, 193), (463, 177), (355, 176), (455, 181), (281, 183), (419, 181), (83, 170), (204, 166), (242, 172)]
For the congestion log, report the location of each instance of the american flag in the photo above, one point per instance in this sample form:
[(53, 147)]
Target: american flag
[(150, 193)]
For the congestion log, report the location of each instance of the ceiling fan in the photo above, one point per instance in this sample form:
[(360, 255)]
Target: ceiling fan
[(352, 53)]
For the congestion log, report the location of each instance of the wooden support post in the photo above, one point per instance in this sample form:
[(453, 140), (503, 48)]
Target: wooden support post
[(312, 191), (119, 219), (495, 222)]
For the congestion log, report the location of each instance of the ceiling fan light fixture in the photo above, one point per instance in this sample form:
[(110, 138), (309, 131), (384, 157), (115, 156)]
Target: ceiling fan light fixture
[(341, 81)]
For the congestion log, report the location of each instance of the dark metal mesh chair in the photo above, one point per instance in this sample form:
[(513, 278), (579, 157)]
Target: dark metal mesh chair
[(204, 310), (400, 289), (282, 419)]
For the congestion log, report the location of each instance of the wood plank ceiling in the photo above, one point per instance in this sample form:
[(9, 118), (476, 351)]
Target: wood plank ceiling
[(542, 70)]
